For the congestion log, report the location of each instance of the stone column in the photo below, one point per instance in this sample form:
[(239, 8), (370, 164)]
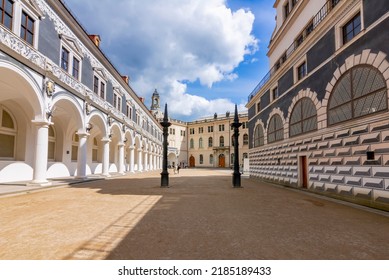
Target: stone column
[(140, 167), (146, 168), (151, 162), (132, 156), (106, 142), (121, 158), (41, 152), (82, 154)]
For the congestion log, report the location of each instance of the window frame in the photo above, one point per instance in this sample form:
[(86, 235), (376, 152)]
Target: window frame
[(9, 132), (101, 86), (358, 9), (4, 12)]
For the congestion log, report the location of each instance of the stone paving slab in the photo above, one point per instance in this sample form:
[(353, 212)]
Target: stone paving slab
[(199, 217)]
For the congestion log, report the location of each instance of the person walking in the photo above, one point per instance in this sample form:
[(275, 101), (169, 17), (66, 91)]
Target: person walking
[(178, 169)]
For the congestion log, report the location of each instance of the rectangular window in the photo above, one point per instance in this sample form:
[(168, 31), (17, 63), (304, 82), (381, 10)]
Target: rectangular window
[(102, 90), (96, 85), (302, 71), (65, 59), (286, 10), (351, 28), (221, 127), (309, 29), (76, 68), (258, 107), (210, 129), (201, 130), (275, 93), (299, 40), (129, 111), (117, 101), (27, 28), (6, 12), (7, 144)]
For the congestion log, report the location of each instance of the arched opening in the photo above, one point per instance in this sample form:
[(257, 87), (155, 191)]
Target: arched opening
[(222, 161), (192, 161)]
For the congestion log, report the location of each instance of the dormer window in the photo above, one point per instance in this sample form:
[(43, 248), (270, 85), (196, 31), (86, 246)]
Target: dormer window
[(6, 13)]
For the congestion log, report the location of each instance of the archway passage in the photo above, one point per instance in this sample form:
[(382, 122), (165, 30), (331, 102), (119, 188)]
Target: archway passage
[(222, 161), (192, 162)]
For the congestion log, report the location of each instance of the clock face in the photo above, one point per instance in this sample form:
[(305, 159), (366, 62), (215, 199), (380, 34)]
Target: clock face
[(155, 101)]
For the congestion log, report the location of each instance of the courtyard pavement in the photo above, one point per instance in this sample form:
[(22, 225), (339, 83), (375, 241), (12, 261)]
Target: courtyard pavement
[(199, 217)]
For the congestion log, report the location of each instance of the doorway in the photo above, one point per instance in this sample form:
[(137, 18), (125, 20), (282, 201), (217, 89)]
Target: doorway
[(192, 161), (303, 172), (222, 161)]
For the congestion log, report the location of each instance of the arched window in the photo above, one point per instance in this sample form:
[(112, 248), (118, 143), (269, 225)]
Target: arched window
[(245, 139), (221, 141), (191, 144), (7, 135), (211, 159), (232, 141), (75, 141), (201, 159), (210, 142), (259, 136), (359, 92), (275, 130), (303, 118), (94, 150), (201, 143), (51, 147)]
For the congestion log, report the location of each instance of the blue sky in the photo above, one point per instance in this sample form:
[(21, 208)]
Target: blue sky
[(203, 56)]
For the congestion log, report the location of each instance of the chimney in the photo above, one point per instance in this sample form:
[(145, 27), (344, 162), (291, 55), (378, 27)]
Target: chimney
[(126, 79), (95, 39), (142, 99)]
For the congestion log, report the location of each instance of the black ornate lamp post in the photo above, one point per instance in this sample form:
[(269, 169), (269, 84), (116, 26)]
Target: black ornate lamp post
[(236, 175), (165, 174)]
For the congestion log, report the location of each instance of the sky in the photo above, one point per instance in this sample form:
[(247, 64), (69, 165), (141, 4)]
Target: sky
[(202, 56)]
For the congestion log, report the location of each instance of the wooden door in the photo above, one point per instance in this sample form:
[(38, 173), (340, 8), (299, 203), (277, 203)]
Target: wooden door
[(192, 161), (304, 172), (222, 161)]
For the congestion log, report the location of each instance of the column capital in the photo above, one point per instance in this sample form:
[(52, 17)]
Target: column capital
[(83, 134), (132, 147), (121, 144), (41, 123), (105, 140)]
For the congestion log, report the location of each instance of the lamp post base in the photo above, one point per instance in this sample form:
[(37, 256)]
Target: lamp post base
[(164, 180), (236, 180)]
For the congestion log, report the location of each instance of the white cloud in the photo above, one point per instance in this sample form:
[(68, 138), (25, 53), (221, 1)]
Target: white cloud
[(165, 44)]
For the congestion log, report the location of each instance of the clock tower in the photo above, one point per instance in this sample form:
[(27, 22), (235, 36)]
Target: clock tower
[(155, 105)]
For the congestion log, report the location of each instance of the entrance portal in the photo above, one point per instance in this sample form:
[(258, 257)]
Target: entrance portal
[(191, 161), (222, 161)]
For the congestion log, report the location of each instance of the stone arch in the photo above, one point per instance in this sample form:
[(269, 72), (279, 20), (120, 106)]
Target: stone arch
[(20, 85), (304, 93), (97, 124), (367, 57), (21, 95)]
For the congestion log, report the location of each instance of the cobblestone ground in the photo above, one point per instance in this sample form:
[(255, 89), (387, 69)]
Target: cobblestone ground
[(199, 217)]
